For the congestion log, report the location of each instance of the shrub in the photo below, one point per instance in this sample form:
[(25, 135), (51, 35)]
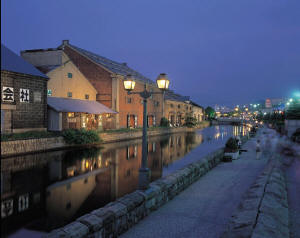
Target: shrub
[(231, 145), (81, 136), (190, 121), (164, 122)]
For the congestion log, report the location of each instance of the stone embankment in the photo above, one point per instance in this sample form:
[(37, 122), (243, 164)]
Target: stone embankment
[(264, 211), (117, 217), (17, 147)]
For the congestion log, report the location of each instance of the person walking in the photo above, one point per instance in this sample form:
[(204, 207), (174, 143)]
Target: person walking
[(258, 149)]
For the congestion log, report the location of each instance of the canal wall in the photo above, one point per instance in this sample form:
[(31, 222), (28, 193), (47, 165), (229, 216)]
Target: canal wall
[(18, 147), (117, 217), (264, 209)]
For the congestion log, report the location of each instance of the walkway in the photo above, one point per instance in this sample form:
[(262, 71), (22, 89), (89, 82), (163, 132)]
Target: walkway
[(204, 208)]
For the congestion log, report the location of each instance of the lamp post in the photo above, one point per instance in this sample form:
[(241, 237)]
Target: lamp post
[(129, 84)]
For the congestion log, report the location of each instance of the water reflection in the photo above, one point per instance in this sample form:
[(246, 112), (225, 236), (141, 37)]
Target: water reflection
[(54, 188)]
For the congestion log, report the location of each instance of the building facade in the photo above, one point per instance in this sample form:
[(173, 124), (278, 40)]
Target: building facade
[(106, 77), (71, 97), (23, 95), (176, 108)]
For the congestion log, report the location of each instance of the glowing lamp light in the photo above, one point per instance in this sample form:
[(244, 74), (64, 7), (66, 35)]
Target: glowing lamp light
[(129, 83), (163, 81), (291, 99)]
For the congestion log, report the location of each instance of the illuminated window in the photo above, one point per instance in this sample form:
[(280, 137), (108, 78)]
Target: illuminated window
[(87, 96), (70, 75), (69, 94), (49, 92), (71, 114)]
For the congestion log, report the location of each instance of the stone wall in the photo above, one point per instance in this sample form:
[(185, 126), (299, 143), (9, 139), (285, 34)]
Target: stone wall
[(264, 210), (117, 217), (291, 126), (26, 115), (9, 148)]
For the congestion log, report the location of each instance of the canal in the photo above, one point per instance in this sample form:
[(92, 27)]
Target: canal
[(44, 191)]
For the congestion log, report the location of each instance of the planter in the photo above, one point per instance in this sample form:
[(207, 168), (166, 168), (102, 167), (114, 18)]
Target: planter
[(232, 155)]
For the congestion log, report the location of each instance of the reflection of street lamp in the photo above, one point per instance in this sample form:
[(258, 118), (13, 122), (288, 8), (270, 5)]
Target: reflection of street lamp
[(129, 84)]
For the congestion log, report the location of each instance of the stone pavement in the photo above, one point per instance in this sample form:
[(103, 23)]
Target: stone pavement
[(293, 189), (204, 208)]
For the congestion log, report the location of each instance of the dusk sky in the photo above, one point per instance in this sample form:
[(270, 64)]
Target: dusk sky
[(216, 51)]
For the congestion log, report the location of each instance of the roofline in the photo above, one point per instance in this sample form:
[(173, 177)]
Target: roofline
[(112, 73), (32, 75), (39, 50)]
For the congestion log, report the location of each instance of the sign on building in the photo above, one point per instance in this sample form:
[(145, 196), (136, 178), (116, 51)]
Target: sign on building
[(24, 95), (23, 202), (7, 208), (8, 94)]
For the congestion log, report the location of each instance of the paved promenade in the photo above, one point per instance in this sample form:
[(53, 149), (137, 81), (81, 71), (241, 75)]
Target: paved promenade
[(204, 209)]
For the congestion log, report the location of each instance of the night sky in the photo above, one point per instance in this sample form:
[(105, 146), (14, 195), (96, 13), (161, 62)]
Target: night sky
[(216, 51)]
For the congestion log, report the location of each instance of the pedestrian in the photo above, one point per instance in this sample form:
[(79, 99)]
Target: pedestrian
[(258, 150)]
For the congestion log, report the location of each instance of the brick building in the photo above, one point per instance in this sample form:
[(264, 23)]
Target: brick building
[(71, 97), (23, 95), (107, 76)]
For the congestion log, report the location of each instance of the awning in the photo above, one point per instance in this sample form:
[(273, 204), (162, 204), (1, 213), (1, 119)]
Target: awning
[(77, 105)]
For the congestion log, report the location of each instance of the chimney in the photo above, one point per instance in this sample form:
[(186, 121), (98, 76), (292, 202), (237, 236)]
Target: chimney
[(65, 42)]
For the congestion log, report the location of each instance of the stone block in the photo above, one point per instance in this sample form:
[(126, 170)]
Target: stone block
[(76, 229), (267, 227), (243, 232), (277, 191), (250, 204), (108, 219), (120, 212), (244, 218), (93, 222)]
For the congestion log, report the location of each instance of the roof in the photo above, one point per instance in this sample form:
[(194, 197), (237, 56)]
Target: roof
[(195, 104), (113, 66), (170, 95), (10, 61), (77, 105)]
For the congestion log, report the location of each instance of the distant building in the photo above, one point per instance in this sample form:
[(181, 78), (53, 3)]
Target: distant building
[(176, 108), (23, 95), (197, 111), (106, 77)]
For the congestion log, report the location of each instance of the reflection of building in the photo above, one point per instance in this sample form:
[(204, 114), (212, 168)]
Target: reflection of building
[(23, 95), (60, 186), (106, 78)]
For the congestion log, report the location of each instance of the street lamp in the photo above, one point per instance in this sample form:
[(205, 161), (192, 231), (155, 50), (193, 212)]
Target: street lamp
[(129, 84)]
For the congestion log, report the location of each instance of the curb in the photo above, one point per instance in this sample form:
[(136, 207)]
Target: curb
[(264, 211)]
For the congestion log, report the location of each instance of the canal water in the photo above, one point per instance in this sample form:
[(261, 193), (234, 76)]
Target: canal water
[(43, 191)]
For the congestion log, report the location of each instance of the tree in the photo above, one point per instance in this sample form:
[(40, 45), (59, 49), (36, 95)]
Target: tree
[(210, 113), (293, 112)]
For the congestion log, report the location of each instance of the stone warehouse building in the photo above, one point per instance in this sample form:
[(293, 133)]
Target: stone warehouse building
[(23, 95), (178, 107), (104, 82), (71, 97)]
